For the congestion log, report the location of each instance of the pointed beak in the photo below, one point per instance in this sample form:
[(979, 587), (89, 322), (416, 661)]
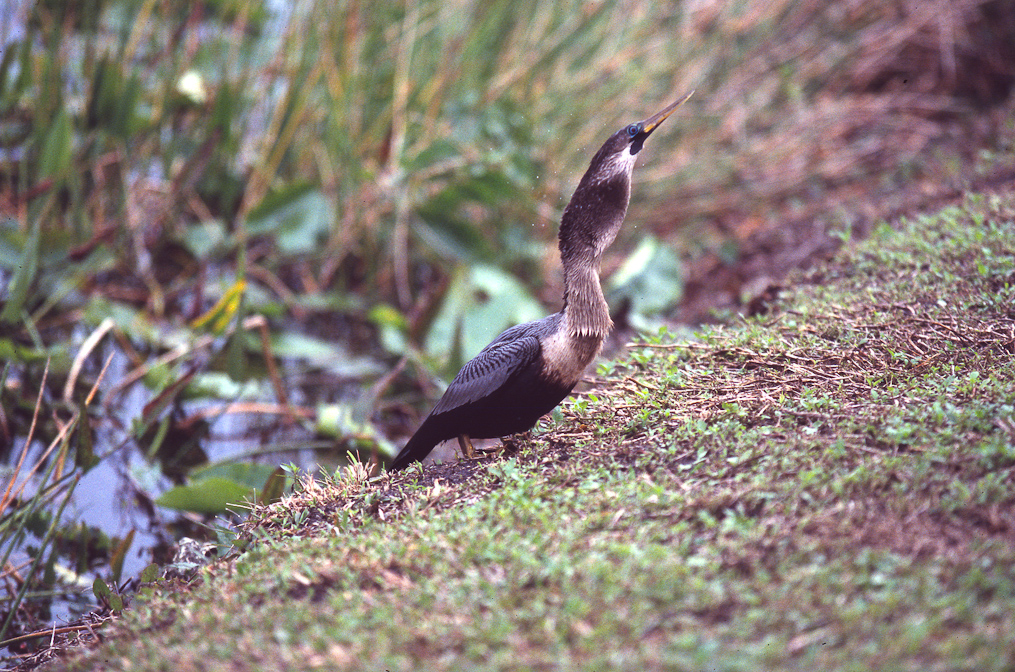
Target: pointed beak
[(652, 122)]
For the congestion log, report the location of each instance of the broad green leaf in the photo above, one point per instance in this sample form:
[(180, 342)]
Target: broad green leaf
[(392, 327), (481, 302), (132, 322), (104, 594), (211, 495), (250, 474), (219, 385), (298, 219), (651, 278), (323, 354), (100, 589), (150, 573), (204, 238), (344, 422), (274, 487)]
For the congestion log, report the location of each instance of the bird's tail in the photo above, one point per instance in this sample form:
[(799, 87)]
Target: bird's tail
[(417, 448)]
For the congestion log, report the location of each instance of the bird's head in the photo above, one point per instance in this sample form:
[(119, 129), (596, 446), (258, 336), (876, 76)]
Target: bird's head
[(596, 211)]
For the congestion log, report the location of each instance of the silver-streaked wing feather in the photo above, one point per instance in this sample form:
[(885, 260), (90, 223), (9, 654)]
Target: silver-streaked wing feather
[(491, 369)]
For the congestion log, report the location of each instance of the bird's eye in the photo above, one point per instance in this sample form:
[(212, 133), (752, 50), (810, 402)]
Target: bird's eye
[(633, 130)]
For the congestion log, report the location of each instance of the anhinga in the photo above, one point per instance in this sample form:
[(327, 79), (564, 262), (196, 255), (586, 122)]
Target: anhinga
[(529, 369)]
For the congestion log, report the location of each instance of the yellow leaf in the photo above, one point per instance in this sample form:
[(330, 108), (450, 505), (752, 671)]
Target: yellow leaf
[(219, 315)]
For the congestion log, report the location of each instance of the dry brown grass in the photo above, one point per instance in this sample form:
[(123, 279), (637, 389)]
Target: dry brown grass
[(844, 113)]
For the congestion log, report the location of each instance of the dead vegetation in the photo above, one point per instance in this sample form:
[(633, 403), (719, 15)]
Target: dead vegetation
[(886, 113)]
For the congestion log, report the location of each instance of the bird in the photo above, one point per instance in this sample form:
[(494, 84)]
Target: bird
[(530, 368)]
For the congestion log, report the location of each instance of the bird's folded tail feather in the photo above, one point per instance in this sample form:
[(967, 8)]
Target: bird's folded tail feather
[(417, 448)]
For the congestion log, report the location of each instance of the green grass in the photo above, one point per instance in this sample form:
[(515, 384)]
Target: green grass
[(824, 487), (274, 195)]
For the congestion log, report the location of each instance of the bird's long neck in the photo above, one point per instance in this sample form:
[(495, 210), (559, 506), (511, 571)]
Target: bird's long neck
[(586, 312), (590, 223)]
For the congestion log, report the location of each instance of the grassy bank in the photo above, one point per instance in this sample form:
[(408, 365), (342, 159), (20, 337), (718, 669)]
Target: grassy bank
[(826, 486)]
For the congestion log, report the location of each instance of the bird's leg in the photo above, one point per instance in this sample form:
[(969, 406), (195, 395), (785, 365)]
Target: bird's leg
[(465, 443)]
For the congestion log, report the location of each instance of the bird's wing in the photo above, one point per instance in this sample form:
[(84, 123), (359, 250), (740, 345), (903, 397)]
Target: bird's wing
[(488, 371)]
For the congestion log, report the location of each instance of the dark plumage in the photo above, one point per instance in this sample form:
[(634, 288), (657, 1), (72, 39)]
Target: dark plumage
[(529, 369)]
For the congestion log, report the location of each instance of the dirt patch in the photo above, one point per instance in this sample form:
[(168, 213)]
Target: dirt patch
[(899, 121), (750, 282), (918, 534)]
